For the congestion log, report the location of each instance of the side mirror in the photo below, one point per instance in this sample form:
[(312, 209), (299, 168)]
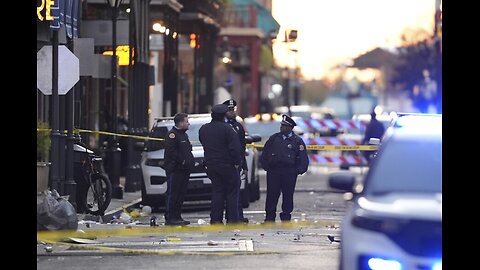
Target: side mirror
[(139, 146), (343, 180)]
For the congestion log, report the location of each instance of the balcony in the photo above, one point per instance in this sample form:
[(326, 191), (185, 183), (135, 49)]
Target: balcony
[(211, 8)]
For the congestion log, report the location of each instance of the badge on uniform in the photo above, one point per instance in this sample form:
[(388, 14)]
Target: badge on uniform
[(171, 135), (289, 146), (302, 148)]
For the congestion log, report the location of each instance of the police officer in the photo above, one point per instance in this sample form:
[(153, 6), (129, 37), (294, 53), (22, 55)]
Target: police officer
[(222, 159), (232, 120), (284, 157), (178, 163), (375, 129)]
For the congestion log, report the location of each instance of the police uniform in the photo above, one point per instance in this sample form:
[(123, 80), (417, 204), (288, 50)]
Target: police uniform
[(222, 159), (178, 163), (375, 129), (284, 157), (241, 136)]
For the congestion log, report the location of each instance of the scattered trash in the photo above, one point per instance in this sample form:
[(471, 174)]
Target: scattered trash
[(236, 232), (56, 213), (125, 218), (80, 240), (135, 214), (311, 192), (147, 210), (201, 222), (212, 243), (303, 217), (173, 239), (262, 234), (48, 249), (332, 239), (153, 221), (296, 238)]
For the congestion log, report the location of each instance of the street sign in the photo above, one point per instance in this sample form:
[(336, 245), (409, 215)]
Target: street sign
[(68, 70)]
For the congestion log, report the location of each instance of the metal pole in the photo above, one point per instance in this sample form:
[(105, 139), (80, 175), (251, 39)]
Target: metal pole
[(70, 184), (117, 189), (286, 76), (286, 90), (130, 176), (55, 176), (62, 142)]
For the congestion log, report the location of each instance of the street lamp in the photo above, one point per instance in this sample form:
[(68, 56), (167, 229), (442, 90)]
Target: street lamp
[(290, 36), (286, 89), (115, 151), (296, 83)]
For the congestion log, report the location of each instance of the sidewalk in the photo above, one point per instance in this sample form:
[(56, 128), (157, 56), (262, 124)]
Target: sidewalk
[(116, 205)]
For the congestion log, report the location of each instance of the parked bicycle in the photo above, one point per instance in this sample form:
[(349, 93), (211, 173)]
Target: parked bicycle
[(94, 189)]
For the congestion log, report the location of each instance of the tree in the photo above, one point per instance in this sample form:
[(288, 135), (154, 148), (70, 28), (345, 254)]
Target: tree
[(415, 55)]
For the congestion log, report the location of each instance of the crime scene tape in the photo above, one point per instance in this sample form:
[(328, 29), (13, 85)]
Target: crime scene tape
[(145, 229), (318, 124), (351, 160), (331, 147), (309, 147)]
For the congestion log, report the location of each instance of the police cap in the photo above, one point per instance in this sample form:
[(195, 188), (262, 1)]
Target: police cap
[(220, 109), (287, 121), (231, 103)]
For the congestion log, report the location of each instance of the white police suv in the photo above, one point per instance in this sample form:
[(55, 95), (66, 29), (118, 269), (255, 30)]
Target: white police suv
[(154, 184), (394, 221)]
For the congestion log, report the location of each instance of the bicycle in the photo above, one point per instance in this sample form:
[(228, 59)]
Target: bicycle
[(94, 189)]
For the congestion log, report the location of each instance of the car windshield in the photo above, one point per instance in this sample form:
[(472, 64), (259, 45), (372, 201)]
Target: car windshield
[(192, 133), (407, 166)]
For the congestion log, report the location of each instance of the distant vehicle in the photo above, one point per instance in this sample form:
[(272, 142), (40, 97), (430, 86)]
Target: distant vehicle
[(394, 220), (199, 188)]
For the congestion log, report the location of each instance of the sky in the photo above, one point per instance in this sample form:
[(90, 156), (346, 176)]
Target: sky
[(331, 32)]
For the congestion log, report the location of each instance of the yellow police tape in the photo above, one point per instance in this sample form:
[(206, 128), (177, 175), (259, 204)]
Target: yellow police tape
[(66, 237), (129, 230), (309, 147)]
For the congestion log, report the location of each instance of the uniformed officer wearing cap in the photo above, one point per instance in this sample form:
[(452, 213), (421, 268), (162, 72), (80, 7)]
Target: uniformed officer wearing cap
[(178, 163), (222, 159), (238, 127), (284, 157)]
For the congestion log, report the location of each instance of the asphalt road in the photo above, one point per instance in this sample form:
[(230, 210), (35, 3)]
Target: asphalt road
[(302, 244)]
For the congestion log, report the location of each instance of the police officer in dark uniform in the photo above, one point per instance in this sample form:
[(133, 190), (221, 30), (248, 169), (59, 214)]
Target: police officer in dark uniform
[(284, 157), (375, 129), (222, 159), (232, 120), (178, 163)]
